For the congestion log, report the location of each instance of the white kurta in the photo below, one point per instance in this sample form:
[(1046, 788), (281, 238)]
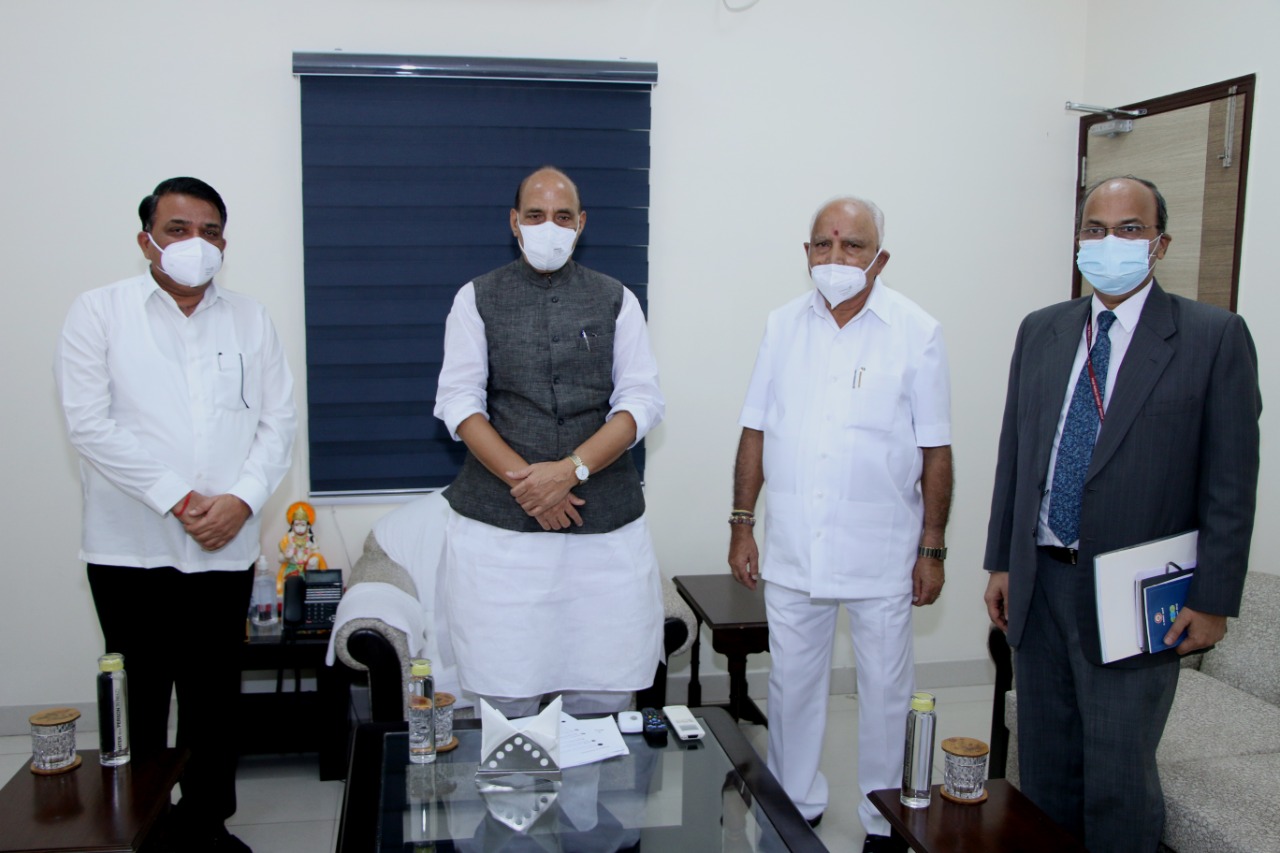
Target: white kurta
[(536, 613), (844, 413), (157, 404)]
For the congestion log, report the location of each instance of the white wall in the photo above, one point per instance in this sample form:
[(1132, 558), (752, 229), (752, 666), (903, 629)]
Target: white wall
[(948, 115)]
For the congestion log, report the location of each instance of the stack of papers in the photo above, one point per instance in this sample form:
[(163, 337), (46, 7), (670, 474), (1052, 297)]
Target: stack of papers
[(588, 741)]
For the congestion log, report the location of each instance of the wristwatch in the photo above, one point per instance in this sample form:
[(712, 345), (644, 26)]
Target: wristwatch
[(935, 553), (581, 471)]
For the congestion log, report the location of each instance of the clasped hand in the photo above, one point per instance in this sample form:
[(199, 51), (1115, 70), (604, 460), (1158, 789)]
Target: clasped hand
[(212, 521), (543, 491)]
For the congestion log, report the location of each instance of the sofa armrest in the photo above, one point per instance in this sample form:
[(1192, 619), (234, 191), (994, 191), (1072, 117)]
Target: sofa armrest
[(373, 568), (675, 607)]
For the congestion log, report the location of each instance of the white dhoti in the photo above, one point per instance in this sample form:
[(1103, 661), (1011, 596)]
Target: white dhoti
[(538, 613)]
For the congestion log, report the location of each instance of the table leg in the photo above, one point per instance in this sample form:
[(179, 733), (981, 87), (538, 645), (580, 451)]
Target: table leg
[(737, 685), (695, 686)]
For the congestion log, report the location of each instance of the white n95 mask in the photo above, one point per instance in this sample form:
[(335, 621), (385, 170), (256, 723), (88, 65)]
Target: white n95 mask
[(838, 283), (547, 246), (1114, 265), (192, 262)]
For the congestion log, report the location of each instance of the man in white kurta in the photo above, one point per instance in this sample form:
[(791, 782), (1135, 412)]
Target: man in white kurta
[(551, 584), (846, 426), (179, 402)]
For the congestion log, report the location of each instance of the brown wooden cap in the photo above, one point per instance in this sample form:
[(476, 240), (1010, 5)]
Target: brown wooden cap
[(53, 717), (965, 746), (444, 700)]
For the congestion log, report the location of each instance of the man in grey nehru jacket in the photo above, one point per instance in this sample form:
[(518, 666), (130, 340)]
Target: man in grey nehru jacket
[(551, 584)]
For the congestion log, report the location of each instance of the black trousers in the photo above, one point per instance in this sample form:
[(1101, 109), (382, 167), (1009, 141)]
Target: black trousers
[(183, 631), (1087, 734)]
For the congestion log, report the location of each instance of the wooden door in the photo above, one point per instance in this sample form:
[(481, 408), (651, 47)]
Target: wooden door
[(1194, 146)]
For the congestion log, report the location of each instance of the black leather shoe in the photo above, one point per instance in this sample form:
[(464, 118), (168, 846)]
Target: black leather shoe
[(883, 844), (814, 821), (225, 842)]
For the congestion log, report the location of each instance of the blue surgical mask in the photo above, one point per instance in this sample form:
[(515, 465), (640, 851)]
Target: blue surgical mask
[(1114, 265)]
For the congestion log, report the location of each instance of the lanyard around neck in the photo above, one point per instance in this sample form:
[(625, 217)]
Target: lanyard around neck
[(1088, 357)]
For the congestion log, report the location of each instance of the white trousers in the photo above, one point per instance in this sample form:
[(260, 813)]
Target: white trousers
[(801, 633)]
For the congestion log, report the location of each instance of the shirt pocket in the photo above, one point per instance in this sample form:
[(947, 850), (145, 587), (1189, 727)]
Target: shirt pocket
[(874, 399), (235, 384)]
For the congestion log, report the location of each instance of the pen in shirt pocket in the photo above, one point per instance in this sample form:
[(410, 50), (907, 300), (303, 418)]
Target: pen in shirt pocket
[(586, 338), (857, 377)]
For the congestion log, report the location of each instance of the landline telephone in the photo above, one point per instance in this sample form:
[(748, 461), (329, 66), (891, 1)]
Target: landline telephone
[(311, 604)]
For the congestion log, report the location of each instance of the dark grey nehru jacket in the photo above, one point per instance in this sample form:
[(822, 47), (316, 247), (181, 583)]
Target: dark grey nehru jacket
[(550, 341)]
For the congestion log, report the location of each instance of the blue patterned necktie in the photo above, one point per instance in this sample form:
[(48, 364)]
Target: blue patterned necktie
[(1075, 449)]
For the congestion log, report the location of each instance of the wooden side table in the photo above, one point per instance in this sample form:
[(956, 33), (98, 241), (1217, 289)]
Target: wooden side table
[(1007, 822), (311, 721), (736, 617), (110, 809)]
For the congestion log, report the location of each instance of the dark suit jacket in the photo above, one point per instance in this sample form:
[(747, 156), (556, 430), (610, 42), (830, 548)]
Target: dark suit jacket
[(1178, 451)]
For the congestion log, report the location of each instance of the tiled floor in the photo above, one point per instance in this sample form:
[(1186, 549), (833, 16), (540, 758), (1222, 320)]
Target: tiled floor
[(284, 808)]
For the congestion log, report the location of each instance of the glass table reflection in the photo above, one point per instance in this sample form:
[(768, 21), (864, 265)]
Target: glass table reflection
[(707, 795)]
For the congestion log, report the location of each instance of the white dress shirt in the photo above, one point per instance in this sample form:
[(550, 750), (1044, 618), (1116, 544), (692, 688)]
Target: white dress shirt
[(1127, 315), (464, 376), (159, 404), (844, 413)]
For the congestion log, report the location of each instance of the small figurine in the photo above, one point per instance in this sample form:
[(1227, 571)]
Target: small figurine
[(298, 552)]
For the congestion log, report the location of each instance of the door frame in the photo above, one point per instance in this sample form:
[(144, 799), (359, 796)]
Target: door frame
[(1167, 103)]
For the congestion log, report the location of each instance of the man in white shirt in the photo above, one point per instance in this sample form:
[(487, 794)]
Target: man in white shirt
[(846, 425), (179, 401), (551, 584)]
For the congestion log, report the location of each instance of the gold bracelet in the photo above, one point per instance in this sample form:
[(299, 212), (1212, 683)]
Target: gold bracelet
[(749, 521)]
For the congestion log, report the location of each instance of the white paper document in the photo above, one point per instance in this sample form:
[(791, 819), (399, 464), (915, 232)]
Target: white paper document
[(1114, 575), (586, 741)]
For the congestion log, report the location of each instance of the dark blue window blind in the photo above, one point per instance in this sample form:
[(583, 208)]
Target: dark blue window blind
[(407, 183)]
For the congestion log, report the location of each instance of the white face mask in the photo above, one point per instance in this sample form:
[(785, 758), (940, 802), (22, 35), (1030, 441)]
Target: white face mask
[(547, 246), (838, 283), (192, 262), (1114, 265)]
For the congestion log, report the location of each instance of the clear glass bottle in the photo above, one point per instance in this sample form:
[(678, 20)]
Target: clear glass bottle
[(422, 706), (917, 759), (113, 711), (264, 594)]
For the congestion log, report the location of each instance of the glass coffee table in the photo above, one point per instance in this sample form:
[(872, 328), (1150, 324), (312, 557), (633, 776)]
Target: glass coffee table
[(715, 794)]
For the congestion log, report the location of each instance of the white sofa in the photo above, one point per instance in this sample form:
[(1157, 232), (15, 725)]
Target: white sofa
[(1219, 759)]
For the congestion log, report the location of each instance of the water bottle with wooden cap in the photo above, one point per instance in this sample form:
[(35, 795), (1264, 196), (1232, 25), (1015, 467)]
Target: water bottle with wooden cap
[(917, 760), (113, 711), (422, 703)]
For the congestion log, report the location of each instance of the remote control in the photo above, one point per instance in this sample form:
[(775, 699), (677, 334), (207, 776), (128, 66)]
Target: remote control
[(686, 727), (630, 722), (655, 728)]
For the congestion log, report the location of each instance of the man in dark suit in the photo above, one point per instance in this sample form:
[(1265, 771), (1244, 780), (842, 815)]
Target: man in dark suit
[(1131, 415)]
